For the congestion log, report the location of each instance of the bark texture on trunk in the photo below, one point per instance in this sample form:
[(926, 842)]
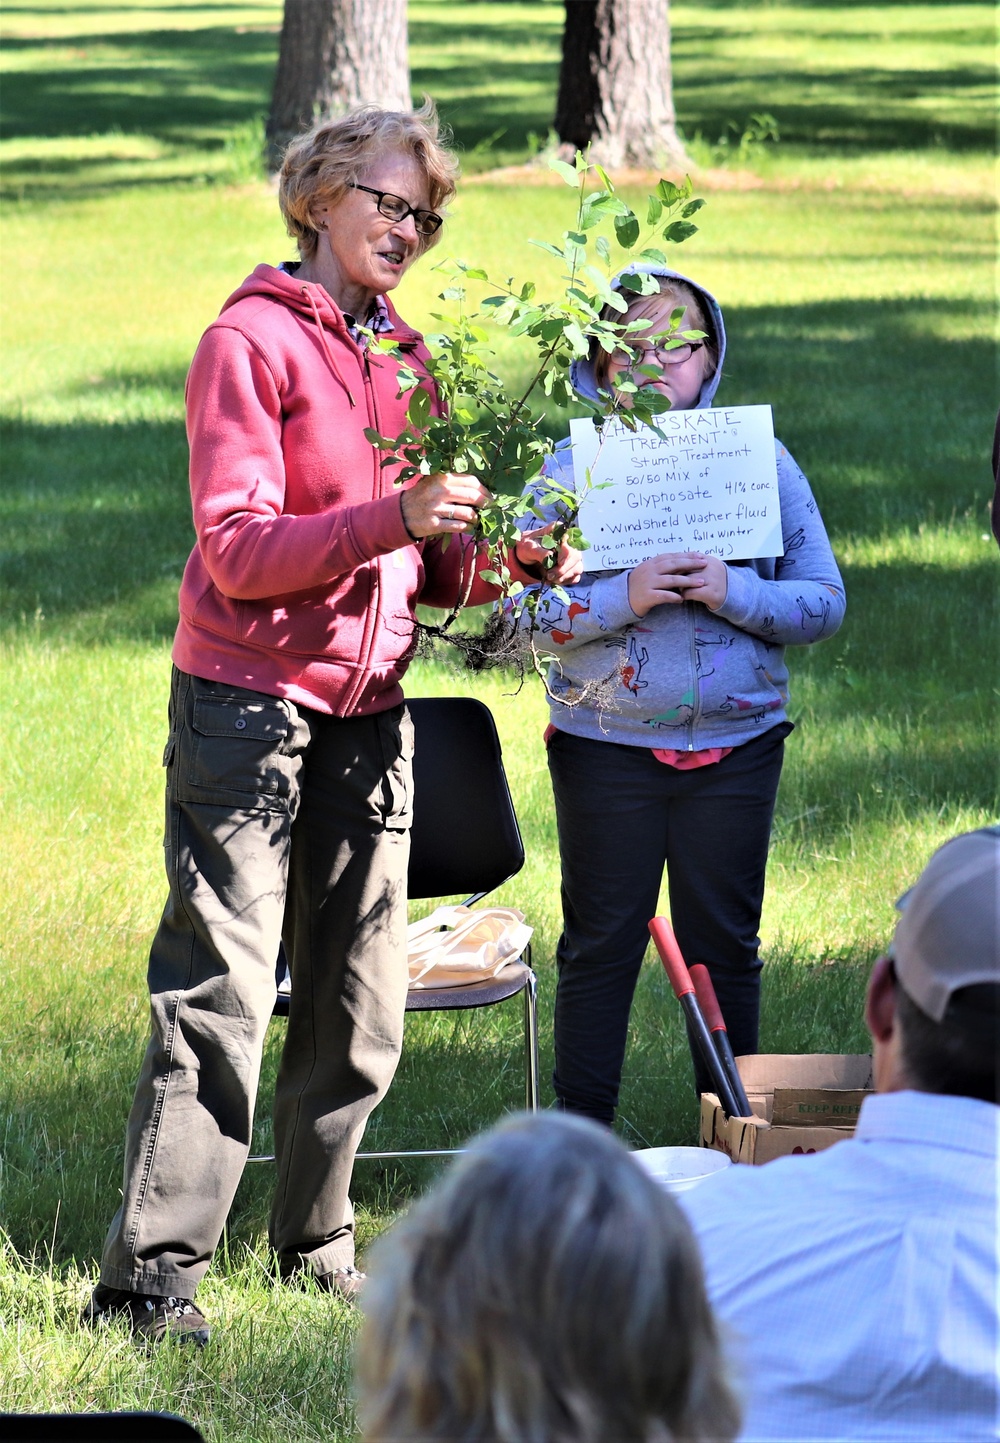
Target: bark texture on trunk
[(615, 84), (335, 54)]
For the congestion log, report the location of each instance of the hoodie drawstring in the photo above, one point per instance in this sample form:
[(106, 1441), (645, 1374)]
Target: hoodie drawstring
[(324, 341)]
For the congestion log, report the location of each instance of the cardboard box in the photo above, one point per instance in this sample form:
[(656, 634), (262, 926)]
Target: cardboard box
[(800, 1104)]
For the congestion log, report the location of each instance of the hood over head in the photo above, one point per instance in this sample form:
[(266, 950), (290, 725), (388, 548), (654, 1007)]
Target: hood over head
[(582, 371)]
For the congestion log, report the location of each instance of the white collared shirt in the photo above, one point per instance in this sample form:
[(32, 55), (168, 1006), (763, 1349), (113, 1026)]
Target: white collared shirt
[(859, 1287)]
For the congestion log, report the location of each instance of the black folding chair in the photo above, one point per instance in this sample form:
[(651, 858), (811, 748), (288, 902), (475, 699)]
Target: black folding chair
[(97, 1427), (464, 840)]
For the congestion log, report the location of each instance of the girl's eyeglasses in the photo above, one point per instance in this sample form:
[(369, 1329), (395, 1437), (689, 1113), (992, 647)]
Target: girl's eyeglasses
[(395, 208), (645, 355)]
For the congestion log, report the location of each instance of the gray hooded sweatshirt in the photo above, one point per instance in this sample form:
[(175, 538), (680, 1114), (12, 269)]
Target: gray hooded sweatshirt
[(683, 677)]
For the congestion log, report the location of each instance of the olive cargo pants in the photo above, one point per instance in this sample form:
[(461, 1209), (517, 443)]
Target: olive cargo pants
[(281, 822)]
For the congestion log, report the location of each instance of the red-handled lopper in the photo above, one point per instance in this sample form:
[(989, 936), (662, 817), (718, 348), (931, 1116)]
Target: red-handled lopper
[(712, 1013), (680, 980)]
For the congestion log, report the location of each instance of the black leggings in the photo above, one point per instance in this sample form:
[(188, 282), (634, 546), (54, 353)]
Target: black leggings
[(622, 816)]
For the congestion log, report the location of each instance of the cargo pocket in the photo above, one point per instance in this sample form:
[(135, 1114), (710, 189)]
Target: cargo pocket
[(238, 748), (396, 735)]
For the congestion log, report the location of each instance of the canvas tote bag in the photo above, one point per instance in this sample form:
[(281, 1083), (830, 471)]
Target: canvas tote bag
[(475, 943)]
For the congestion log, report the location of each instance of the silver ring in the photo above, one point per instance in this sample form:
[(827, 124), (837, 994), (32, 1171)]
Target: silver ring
[(451, 513)]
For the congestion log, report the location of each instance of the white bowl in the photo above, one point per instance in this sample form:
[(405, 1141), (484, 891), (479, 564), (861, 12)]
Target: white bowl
[(680, 1168)]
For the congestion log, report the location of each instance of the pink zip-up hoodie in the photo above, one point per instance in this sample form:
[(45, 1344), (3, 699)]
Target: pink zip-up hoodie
[(303, 582)]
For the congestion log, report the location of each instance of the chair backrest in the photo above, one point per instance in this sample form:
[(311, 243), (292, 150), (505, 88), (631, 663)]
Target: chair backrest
[(97, 1427), (465, 838)]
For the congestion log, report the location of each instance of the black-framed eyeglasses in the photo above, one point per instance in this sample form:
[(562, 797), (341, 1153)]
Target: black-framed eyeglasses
[(395, 208), (646, 354)]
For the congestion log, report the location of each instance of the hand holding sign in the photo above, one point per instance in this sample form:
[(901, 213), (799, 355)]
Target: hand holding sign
[(667, 580), (707, 486)]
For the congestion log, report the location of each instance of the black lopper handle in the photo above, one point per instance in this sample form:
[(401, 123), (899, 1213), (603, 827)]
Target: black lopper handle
[(712, 1013), (680, 980)]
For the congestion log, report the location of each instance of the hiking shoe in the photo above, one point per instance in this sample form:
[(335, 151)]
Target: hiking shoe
[(345, 1282), (152, 1318)]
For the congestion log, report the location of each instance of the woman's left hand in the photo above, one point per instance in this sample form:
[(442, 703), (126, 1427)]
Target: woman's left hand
[(563, 571)]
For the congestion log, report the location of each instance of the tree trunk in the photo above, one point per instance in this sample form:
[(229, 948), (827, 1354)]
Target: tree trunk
[(615, 89), (335, 54)]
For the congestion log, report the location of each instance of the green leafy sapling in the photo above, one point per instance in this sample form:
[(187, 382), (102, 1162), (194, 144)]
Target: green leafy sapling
[(483, 428)]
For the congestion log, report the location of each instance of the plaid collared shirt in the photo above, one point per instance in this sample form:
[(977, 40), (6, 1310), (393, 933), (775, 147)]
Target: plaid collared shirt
[(377, 323)]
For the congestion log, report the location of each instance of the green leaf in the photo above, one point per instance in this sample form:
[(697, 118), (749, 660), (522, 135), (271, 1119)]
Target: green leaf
[(669, 193), (419, 410), (692, 207), (576, 238), (639, 281), (604, 291), (627, 230), (384, 443), (453, 293), (545, 246), (568, 172), (655, 257), (599, 207), (603, 249), (679, 231), (576, 339), (604, 177), (654, 209)]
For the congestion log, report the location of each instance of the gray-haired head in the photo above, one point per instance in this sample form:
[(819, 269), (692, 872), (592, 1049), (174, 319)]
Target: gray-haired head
[(546, 1289)]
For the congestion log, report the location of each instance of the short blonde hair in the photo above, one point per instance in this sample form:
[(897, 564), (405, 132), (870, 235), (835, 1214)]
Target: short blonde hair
[(546, 1288), (681, 295), (319, 165)]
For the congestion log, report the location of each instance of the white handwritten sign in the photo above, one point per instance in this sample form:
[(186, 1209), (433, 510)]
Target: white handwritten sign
[(709, 484)]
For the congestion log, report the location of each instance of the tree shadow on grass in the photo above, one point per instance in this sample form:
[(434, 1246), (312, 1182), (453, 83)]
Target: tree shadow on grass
[(188, 89), (98, 526), (849, 112), (175, 85)]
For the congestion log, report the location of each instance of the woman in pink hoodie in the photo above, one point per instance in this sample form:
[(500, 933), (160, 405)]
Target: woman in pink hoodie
[(288, 760)]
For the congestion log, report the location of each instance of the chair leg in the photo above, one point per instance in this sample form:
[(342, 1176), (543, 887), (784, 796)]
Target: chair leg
[(531, 1088)]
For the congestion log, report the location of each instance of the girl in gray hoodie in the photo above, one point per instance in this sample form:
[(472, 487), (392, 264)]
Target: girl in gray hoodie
[(667, 730)]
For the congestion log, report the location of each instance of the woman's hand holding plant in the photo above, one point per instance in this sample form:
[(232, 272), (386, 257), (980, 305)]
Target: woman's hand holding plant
[(443, 504)]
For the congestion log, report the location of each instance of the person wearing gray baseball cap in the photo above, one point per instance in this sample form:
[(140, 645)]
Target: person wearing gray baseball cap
[(860, 1285)]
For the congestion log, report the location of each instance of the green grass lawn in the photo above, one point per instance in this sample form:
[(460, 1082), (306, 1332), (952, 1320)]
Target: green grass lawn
[(855, 263)]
